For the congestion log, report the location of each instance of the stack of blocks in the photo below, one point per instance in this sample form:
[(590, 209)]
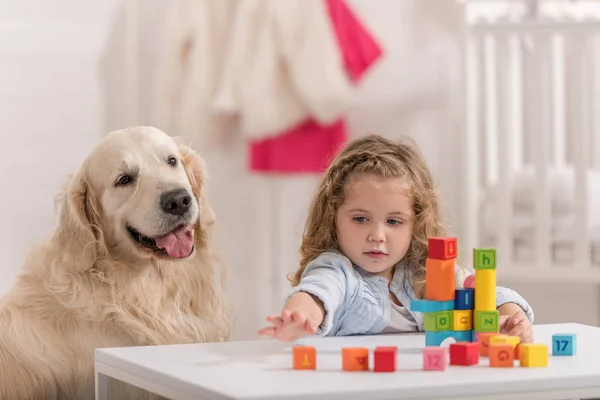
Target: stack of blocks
[(457, 313), (468, 315)]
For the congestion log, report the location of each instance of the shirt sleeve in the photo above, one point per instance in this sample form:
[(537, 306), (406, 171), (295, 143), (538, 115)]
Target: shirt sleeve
[(506, 295), (332, 279)]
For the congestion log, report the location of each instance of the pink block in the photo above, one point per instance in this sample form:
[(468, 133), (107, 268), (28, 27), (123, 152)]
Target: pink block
[(435, 358), (469, 282)]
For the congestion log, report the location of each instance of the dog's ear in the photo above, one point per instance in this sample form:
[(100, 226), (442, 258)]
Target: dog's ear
[(79, 217), (195, 168)]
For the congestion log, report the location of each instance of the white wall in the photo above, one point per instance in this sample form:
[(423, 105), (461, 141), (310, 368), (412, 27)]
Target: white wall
[(61, 80), (50, 111)]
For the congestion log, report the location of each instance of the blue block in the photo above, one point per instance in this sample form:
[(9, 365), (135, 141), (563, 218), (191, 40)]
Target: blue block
[(564, 344), (463, 336), (431, 305), (464, 299), (436, 338)]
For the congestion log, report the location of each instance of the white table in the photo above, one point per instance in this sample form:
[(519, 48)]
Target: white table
[(262, 370)]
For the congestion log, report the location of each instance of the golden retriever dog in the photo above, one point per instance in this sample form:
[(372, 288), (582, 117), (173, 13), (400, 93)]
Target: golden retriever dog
[(129, 264)]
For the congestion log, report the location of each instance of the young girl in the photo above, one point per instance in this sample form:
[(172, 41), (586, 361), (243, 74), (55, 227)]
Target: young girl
[(364, 249)]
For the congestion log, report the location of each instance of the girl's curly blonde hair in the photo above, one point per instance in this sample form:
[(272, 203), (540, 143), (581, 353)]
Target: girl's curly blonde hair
[(387, 159)]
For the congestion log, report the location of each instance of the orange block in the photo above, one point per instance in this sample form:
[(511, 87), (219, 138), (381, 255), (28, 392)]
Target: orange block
[(483, 338), (305, 357), (501, 355), (514, 340), (439, 275), (355, 359)]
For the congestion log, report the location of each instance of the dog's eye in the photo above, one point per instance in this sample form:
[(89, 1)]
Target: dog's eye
[(124, 180), (172, 161)]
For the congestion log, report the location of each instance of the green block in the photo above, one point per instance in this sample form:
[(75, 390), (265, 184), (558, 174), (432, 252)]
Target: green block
[(438, 321), (484, 258), (486, 321)]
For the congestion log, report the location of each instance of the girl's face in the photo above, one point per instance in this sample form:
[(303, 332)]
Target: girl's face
[(375, 222)]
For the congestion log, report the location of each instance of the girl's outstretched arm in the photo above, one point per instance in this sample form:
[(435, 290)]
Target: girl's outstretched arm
[(302, 315)]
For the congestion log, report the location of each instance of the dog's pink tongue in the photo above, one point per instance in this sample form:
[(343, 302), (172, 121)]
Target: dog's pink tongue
[(177, 244)]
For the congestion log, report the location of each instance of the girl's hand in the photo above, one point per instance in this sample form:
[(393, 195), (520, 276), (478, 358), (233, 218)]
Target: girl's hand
[(517, 324), (289, 326)]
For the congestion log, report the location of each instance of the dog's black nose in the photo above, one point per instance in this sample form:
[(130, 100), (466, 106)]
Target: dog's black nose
[(176, 201)]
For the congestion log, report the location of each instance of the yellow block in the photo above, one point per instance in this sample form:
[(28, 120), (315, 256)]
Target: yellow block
[(485, 290), (533, 355), (501, 339), (462, 320)]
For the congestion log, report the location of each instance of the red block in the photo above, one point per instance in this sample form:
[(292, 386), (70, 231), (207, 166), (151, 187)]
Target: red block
[(464, 353), (384, 359), (469, 282), (442, 248)]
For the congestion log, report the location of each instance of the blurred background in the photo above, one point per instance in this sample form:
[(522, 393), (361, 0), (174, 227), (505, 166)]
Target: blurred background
[(72, 71)]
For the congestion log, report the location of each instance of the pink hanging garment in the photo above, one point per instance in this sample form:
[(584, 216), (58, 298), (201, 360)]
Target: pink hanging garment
[(309, 147)]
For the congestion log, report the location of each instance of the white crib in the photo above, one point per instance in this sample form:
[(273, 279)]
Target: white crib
[(531, 144)]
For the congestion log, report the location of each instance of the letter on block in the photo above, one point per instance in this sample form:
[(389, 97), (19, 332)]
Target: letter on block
[(485, 290), (501, 355), (305, 357), (442, 248), (506, 339), (533, 355), (438, 321), (484, 259), (483, 339), (355, 359), (463, 299), (486, 321), (439, 276), (564, 344), (384, 359), (427, 306), (435, 358), (464, 353), (461, 320)]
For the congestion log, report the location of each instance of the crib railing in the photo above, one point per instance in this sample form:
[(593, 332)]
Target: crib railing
[(531, 94)]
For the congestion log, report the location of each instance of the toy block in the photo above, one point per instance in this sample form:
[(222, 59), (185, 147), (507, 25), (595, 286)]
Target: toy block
[(564, 344), (485, 290), (469, 282), (305, 357), (464, 299), (435, 358), (483, 339), (355, 359), (384, 359), (464, 353), (436, 338), (462, 320), (484, 259), (438, 321), (486, 321), (506, 339), (439, 278), (501, 355), (427, 306), (533, 355), (442, 248)]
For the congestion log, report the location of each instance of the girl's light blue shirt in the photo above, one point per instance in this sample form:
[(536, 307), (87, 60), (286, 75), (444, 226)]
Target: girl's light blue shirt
[(357, 302)]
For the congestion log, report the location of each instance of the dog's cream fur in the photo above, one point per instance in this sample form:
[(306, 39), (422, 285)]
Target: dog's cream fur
[(91, 285)]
